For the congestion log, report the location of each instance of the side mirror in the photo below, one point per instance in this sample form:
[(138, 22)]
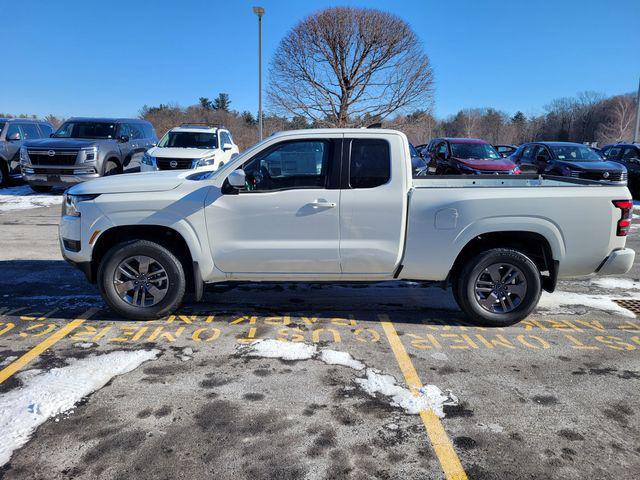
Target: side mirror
[(226, 146), (14, 137), (52, 135), (124, 138), (237, 178)]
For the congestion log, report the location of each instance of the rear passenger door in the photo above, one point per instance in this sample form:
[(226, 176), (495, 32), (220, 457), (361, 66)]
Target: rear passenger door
[(372, 208)]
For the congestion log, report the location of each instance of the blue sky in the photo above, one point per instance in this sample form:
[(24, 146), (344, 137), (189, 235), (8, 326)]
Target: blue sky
[(71, 57)]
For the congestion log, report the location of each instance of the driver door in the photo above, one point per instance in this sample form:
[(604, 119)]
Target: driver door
[(286, 220)]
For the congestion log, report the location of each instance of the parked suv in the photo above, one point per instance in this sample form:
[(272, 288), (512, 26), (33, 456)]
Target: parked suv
[(627, 154), (191, 146), (85, 148), (569, 160), (451, 156), (13, 133)]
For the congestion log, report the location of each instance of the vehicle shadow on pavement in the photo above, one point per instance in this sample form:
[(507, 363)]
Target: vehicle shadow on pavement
[(49, 284)]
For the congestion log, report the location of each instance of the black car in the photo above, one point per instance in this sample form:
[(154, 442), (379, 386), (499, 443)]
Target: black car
[(567, 159), (505, 150), (627, 154), (418, 163)]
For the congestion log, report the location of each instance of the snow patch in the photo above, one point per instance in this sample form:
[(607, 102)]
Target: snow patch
[(559, 303), (8, 360), (23, 198), (612, 283), (48, 394), (430, 397), (334, 357)]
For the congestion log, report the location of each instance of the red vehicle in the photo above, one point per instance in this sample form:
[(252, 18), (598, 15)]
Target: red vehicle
[(454, 156)]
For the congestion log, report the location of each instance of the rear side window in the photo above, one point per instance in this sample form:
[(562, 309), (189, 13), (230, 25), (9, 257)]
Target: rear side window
[(370, 164)]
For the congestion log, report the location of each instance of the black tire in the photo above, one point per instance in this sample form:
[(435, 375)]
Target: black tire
[(111, 168), (41, 188), (4, 173), (172, 266), (465, 285)]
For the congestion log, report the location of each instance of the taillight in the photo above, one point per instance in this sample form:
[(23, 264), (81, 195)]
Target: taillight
[(624, 223)]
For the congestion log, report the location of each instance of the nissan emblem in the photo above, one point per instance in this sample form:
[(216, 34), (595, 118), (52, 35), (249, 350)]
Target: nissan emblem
[(605, 174), (51, 153), (173, 164)]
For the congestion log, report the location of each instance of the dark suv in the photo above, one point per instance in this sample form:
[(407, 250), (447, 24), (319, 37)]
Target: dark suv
[(627, 154), (85, 148), (567, 159), (13, 133)]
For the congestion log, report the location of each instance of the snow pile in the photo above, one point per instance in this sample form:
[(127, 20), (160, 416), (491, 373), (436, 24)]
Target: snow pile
[(560, 303), (429, 398), (334, 357), (612, 283), (278, 349), (23, 198), (47, 394)]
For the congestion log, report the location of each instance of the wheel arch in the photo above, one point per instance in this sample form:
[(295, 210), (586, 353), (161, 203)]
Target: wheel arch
[(168, 237), (533, 244)]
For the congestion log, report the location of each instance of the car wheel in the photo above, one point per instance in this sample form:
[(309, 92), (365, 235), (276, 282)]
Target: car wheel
[(499, 287), (4, 175), (141, 280), (111, 168), (41, 188)]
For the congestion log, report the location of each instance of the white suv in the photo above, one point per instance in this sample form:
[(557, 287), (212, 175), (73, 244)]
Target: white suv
[(191, 146)]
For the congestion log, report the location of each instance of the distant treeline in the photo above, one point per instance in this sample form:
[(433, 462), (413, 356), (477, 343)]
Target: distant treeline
[(587, 117)]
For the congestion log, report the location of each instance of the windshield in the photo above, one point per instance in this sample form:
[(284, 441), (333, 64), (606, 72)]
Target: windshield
[(1, 126), (575, 153), (86, 130), (474, 150), (189, 140)]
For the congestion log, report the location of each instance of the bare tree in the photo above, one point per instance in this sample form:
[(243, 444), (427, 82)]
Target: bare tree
[(619, 122), (344, 64)]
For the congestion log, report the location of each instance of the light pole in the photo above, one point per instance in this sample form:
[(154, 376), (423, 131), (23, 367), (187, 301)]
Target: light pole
[(259, 11), (636, 129)]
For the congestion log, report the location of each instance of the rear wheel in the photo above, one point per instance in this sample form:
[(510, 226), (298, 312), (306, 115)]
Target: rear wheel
[(499, 287), (41, 188), (141, 280)]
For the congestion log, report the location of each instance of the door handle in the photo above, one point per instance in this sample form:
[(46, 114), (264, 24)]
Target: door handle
[(322, 204)]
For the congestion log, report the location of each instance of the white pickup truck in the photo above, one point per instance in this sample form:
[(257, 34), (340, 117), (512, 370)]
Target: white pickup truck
[(339, 205)]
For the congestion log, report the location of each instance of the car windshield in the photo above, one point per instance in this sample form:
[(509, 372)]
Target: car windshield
[(575, 153), (474, 150), (189, 140), (1, 126), (86, 130)]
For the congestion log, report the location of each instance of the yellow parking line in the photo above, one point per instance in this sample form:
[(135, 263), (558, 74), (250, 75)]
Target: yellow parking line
[(36, 351), (439, 439)]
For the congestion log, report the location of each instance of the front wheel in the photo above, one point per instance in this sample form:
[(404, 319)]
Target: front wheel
[(499, 287), (141, 280)]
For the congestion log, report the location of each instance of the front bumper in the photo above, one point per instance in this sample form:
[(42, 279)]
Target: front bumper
[(57, 179), (618, 262)]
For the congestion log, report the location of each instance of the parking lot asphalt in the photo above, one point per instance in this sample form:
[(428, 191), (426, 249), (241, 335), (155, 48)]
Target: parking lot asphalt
[(85, 394)]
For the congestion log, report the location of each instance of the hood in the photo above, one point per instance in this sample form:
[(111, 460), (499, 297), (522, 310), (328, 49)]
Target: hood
[(181, 152), (489, 164), (54, 143), (593, 166), (132, 183)]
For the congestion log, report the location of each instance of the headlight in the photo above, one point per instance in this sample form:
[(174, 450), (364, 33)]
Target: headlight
[(24, 156), (90, 154), (148, 159), (71, 202), (203, 162)]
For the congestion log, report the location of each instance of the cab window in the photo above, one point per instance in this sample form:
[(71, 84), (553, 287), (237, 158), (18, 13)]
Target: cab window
[(370, 164), (289, 165)]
